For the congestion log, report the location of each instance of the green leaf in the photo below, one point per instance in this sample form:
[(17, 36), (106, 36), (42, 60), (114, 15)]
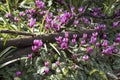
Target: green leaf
[(93, 71), (55, 49), (12, 61), (6, 51)]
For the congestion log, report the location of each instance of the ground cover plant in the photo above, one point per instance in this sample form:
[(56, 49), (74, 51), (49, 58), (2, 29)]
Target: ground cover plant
[(59, 40)]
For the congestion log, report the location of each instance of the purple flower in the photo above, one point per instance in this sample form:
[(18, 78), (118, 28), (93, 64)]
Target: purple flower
[(108, 51), (117, 39), (116, 51), (18, 73), (63, 20), (29, 16), (72, 8), (105, 43), (85, 36), (75, 67), (21, 14), (35, 48), (97, 28), (15, 19), (81, 9), (59, 39), (83, 42), (102, 26), (40, 4), (50, 15), (55, 26), (32, 11), (85, 20), (74, 36), (67, 15), (27, 11), (74, 41), (60, 10), (8, 15), (76, 22), (57, 63), (96, 9), (64, 45), (38, 43), (85, 57), (104, 51), (48, 20), (47, 64), (97, 44), (30, 56), (43, 12), (47, 26), (95, 14), (104, 36), (89, 49), (46, 70), (66, 35), (93, 40), (115, 44), (95, 34), (65, 40), (118, 35), (115, 24), (32, 22)]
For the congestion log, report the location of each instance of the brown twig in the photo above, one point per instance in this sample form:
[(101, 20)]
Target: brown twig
[(26, 42), (16, 32)]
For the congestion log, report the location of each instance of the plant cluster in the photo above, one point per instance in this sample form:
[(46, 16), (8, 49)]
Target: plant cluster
[(92, 56)]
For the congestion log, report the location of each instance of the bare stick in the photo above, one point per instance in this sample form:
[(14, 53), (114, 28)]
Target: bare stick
[(16, 32), (26, 42)]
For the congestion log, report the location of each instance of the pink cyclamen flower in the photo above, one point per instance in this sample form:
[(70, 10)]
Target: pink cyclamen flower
[(46, 70), (15, 19), (38, 43), (85, 57), (97, 44), (58, 39), (30, 56), (93, 40), (115, 24), (89, 49), (75, 36), (81, 9), (35, 48), (83, 42), (8, 15), (85, 36), (57, 63), (29, 16), (105, 43), (72, 8), (74, 41), (47, 26), (32, 22), (40, 4), (64, 45), (18, 73), (21, 14), (47, 64), (66, 35), (65, 40), (76, 22), (116, 51)]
